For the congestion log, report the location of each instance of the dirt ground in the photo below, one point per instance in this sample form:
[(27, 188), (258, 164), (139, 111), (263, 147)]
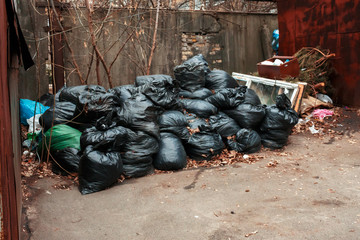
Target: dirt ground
[(308, 190)]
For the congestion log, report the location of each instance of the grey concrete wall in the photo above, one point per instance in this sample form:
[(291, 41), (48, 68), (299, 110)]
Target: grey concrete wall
[(229, 41)]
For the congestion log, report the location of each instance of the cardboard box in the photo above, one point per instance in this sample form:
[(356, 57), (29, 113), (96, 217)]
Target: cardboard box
[(288, 69)]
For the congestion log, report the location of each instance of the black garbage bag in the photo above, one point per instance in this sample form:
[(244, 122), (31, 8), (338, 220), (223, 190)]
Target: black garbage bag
[(195, 122), (228, 98), (112, 139), (251, 97), (47, 99), (245, 141), (204, 145), (200, 107), (224, 125), (166, 97), (202, 93), (106, 122), (62, 113), (65, 160), (122, 92), (191, 74), (57, 95), (174, 122), (98, 170), (283, 102), (71, 94), (139, 114), (247, 115), (137, 154), (219, 79), (160, 80), (278, 122), (91, 107), (171, 155), (138, 170)]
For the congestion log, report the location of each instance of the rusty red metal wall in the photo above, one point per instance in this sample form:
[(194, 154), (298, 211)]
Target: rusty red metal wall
[(330, 24), (9, 219)]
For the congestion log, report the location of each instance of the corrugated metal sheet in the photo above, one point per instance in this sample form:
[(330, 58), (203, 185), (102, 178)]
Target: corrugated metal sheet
[(330, 24)]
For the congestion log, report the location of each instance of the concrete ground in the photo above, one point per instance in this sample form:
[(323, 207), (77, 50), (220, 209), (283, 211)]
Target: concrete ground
[(311, 191)]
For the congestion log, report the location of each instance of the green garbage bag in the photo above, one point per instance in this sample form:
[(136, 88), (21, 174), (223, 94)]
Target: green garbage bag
[(62, 136)]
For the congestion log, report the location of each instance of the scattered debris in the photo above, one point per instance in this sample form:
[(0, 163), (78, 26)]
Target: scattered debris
[(252, 233), (322, 113), (272, 163)]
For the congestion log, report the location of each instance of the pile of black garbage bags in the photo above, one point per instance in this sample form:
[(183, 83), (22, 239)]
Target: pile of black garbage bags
[(159, 121)]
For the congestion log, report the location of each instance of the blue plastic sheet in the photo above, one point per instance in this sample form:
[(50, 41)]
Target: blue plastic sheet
[(27, 110)]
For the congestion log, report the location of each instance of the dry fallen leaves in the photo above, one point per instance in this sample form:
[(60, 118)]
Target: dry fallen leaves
[(272, 163)]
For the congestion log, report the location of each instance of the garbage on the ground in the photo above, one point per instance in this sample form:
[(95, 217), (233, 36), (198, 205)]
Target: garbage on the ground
[(228, 98), (123, 92), (219, 79), (160, 89), (137, 154), (71, 94), (139, 114), (204, 145), (34, 122), (47, 99), (194, 121), (245, 141), (199, 107), (322, 113), (98, 170), (278, 122), (310, 103), (191, 74), (60, 113), (63, 144), (127, 131), (171, 155), (174, 122), (324, 98), (247, 115), (313, 130), (29, 108), (202, 93), (224, 125)]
